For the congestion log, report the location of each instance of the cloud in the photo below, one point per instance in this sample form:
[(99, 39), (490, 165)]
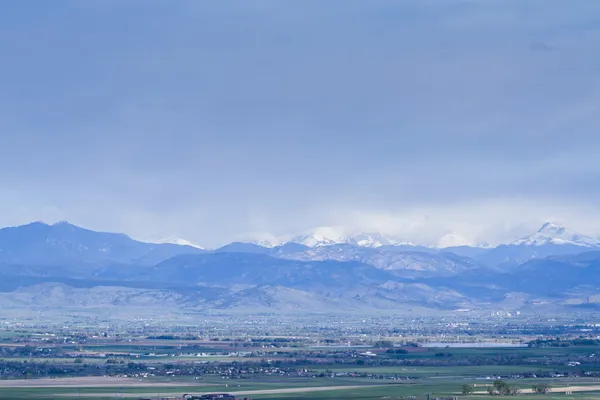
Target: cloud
[(493, 221), (204, 121)]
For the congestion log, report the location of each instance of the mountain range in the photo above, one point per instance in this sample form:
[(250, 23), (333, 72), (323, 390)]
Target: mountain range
[(64, 267), (549, 233)]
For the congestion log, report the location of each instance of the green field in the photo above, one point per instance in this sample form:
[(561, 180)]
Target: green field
[(438, 381), (438, 371)]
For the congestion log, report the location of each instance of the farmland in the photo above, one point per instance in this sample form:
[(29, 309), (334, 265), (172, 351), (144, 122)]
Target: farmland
[(295, 361)]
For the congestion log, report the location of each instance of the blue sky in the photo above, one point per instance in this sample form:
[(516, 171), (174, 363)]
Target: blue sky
[(211, 120)]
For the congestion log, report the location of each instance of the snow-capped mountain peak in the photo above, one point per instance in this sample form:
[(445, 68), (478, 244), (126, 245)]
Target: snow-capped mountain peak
[(315, 240), (180, 242), (266, 243), (372, 240), (318, 239), (551, 233)]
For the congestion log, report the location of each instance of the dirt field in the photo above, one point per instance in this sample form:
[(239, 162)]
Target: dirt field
[(252, 392), (591, 388), (88, 381)]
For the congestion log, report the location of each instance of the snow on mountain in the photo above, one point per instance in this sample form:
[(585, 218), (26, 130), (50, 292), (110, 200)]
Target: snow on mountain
[(551, 233), (266, 243), (372, 240), (180, 242), (453, 240), (315, 240)]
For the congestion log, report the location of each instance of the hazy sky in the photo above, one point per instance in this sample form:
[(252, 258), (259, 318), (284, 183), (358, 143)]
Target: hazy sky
[(212, 119)]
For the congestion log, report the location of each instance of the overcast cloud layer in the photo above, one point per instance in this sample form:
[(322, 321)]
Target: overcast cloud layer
[(213, 120)]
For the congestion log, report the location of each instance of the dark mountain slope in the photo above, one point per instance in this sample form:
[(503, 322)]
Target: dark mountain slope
[(65, 244)]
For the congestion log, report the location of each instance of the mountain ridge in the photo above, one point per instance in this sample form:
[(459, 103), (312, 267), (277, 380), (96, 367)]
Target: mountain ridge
[(549, 233), (291, 276)]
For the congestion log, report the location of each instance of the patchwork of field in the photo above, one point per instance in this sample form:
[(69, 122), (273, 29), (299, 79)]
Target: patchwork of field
[(287, 368)]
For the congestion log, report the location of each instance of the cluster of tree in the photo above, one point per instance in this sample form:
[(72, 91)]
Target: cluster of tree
[(78, 367), (396, 351), (541, 388), (502, 388), (558, 342), (382, 344), (468, 389), (28, 351), (29, 369)]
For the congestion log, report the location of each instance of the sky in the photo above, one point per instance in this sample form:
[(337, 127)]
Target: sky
[(215, 121)]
